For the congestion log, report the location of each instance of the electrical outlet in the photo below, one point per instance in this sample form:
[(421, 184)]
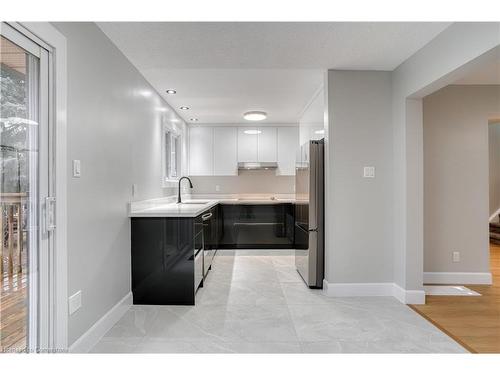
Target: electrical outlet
[(75, 302), (369, 172), (456, 257)]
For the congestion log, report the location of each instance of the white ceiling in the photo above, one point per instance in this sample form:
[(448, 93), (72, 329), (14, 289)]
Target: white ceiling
[(223, 95), (221, 70)]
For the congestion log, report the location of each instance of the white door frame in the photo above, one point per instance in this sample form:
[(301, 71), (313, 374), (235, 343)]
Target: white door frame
[(414, 157), (39, 241), (47, 36)]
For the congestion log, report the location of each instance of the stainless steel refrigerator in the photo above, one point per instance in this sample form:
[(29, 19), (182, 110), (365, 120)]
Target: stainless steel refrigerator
[(309, 213)]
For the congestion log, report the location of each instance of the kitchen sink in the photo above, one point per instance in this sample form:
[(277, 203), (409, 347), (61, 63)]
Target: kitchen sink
[(195, 202), (258, 199)]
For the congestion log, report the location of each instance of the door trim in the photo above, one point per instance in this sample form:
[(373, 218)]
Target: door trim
[(38, 311), (48, 37)]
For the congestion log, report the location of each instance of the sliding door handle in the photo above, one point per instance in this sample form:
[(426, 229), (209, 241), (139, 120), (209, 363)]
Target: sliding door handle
[(50, 214)]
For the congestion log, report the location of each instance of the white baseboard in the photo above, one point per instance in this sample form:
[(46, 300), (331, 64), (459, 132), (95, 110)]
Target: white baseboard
[(408, 297), (471, 278), (374, 290), (87, 341)]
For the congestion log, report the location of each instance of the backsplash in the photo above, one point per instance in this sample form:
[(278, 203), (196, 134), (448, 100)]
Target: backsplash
[(247, 182)]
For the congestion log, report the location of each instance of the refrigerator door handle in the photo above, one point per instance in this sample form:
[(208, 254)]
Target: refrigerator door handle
[(313, 230)]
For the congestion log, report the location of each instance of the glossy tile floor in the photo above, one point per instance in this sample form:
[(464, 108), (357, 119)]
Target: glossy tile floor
[(255, 302)]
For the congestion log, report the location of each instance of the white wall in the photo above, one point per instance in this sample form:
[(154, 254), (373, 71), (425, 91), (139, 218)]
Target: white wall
[(456, 212), (359, 210), (494, 172), (436, 65), (114, 128)]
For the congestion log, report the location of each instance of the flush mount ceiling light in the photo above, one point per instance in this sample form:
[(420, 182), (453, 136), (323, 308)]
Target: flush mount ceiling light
[(252, 131), (162, 109), (184, 108), (255, 115), (171, 92), (322, 131)]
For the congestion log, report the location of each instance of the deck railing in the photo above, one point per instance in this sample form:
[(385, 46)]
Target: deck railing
[(12, 227)]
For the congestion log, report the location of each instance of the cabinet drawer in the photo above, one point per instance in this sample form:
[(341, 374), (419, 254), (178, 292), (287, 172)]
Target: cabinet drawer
[(256, 226)]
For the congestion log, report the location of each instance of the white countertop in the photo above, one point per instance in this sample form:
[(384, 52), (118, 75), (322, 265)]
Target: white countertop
[(167, 207)]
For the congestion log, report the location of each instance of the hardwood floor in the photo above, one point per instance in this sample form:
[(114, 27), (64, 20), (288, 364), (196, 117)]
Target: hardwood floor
[(13, 311), (474, 322)]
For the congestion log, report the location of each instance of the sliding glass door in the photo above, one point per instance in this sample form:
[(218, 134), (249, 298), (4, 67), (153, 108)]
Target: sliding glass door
[(24, 185)]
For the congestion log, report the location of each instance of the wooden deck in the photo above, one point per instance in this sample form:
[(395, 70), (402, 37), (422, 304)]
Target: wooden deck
[(13, 311), (13, 273), (474, 322)]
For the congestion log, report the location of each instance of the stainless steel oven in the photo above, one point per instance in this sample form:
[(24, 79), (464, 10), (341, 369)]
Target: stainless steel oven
[(198, 253), (209, 239)]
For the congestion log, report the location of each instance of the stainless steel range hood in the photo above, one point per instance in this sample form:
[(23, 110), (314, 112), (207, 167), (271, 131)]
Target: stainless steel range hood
[(257, 165)]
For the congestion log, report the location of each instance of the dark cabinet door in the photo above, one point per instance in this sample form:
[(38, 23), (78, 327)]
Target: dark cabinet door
[(219, 223), (249, 226), (163, 261), (148, 236)]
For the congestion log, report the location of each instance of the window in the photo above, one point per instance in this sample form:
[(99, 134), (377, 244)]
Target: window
[(171, 155)]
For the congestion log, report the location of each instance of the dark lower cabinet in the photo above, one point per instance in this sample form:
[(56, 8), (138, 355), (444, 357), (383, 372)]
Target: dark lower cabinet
[(163, 259), (171, 255), (256, 226)]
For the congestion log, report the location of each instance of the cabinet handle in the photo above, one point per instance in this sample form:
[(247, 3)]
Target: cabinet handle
[(206, 216)]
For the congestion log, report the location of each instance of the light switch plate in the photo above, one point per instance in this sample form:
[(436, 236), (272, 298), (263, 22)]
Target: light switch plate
[(369, 172), (75, 302), (77, 170), (134, 190), (217, 187), (456, 257)]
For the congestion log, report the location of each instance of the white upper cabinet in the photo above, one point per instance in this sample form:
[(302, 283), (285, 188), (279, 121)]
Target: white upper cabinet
[(225, 151), (267, 145), (216, 150), (288, 144), (257, 144), (201, 155), (247, 144)]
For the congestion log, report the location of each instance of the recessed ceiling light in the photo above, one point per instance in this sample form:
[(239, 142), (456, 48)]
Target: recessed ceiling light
[(193, 119), (171, 92), (252, 131), (322, 131), (255, 115), (162, 109), (184, 108)]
